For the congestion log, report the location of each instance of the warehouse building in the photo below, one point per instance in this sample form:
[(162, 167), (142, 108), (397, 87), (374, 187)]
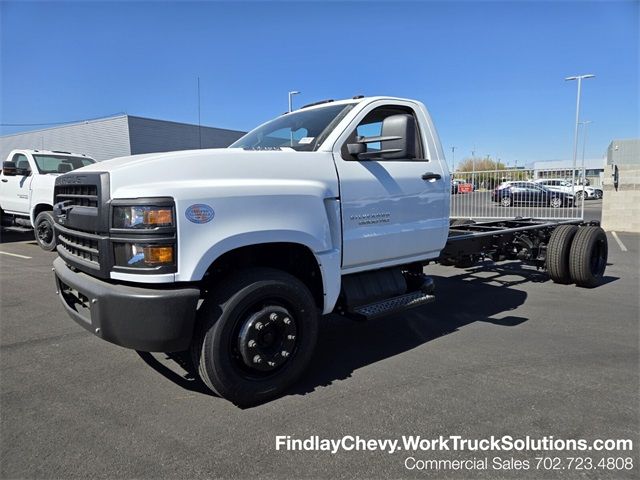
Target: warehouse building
[(593, 169), (119, 136)]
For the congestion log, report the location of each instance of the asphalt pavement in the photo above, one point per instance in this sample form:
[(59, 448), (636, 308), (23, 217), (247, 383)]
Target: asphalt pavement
[(502, 351)]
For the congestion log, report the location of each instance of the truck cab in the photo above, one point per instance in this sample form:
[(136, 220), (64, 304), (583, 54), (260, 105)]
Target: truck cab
[(236, 253), (26, 188)]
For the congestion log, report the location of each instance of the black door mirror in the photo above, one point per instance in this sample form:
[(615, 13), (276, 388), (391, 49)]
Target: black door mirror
[(9, 168)]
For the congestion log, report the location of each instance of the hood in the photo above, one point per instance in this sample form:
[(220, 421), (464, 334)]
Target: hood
[(163, 174)]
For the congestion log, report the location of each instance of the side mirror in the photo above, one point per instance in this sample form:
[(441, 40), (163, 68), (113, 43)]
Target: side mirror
[(397, 140), (356, 148), (9, 168)]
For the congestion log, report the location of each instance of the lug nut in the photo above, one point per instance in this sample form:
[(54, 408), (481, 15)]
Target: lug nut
[(273, 316), (272, 364), (97, 330), (252, 343), (95, 300), (286, 320), (291, 337), (258, 326), (257, 359), (284, 353)]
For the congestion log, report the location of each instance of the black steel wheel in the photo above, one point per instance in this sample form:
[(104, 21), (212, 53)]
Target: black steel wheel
[(255, 336), (44, 232), (558, 250), (588, 257)]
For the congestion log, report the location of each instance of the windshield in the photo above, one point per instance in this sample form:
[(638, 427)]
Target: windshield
[(303, 130), (60, 163)]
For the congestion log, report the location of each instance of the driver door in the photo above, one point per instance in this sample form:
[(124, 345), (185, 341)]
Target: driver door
[(390, 213)]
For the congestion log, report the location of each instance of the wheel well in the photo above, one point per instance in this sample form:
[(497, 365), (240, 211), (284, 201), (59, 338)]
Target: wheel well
[(292, 258), (41, 207)]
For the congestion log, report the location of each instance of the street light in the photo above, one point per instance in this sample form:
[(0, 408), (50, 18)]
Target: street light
[(453, 159), (584, 124), (291, 94), (579, 78)]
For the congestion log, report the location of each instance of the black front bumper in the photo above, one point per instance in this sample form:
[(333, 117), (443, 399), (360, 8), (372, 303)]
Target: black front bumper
[(146, 319)]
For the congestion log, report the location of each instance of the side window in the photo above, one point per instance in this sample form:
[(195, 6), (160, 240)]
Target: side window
[(22, 163), (387, 121)]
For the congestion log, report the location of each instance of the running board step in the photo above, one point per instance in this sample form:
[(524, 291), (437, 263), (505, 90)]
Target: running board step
[(392, 305)]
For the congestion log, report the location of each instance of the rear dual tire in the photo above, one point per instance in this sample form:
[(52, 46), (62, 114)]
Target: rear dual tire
[(588, 257), (577, 255)]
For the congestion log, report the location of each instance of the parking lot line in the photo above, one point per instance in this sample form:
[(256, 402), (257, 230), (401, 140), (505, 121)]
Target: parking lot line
[(620, 244), (15, 255)]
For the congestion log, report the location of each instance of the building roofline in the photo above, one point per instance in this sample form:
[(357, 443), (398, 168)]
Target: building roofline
[(184, 123), (71, 124), (112, 117)]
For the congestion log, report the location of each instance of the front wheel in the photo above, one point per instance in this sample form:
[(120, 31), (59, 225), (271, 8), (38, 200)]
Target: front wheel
[(44, 232), (506, 201), (256, 335)]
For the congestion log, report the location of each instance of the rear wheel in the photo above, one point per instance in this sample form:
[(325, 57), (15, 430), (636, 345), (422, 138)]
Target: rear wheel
[(579, 196), (506, 201), (256, 335), (555, 202), (44, 232), (558, 251), (588, 257)]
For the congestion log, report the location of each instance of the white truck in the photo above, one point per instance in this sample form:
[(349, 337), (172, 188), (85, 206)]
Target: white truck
[(235, 254), (26, 189)]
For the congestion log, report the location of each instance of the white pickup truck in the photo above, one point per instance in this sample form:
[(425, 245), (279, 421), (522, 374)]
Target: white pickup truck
[(235, 254), (26, 189)]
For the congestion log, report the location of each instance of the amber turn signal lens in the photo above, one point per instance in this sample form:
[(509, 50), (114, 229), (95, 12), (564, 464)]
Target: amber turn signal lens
[(158, 217), (158, 255)]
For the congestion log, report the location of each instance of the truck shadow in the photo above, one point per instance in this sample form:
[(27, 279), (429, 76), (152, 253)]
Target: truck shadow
[(16, 234), (346, 345)]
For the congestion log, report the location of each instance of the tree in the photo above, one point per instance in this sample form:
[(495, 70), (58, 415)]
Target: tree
[(479, 165)]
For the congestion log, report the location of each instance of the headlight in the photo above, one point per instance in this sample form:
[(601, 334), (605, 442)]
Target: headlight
[(143, 217), (137, 255)]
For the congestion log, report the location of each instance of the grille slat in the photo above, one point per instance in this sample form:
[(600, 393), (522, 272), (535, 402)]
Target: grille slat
[(81, 247), (81, 195)]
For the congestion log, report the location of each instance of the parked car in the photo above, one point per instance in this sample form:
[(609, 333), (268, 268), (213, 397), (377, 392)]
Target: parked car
[(530, 193), (26, 189), (580, 191)]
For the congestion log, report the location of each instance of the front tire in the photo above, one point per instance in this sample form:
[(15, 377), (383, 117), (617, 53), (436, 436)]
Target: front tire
[(44, 231), (256, 335)]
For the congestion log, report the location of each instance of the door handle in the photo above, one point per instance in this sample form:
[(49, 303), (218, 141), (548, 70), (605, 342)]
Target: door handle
[(431, 176), (5, 180)]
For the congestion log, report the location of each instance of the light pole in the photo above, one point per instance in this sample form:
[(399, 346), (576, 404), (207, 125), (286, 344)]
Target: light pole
[(584, 124), (291, 94), (579, 78), (453, 159)]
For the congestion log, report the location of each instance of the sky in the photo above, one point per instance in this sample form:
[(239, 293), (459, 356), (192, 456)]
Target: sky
[(490, 73)]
